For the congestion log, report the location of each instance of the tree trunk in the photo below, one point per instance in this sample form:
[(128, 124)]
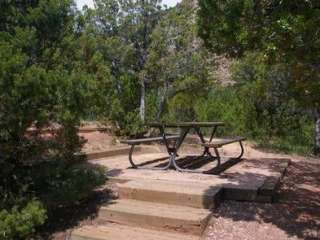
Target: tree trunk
[(143, 58), (162, 96), (142, 100), (160, 106), (317, 134)]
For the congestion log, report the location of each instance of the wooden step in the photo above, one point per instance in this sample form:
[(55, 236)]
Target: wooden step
[(155, 216), (120, 232), (188, 194)]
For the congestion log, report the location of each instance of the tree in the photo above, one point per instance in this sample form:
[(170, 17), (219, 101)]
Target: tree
[(122, 31), (44, 83), (177, 61), (284, 32), (141, 16)]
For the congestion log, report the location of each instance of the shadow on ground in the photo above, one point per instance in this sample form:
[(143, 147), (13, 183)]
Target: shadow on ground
[(63, 219), (294, 215)]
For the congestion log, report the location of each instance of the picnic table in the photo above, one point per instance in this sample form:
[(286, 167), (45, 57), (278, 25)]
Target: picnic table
[(185, 128)]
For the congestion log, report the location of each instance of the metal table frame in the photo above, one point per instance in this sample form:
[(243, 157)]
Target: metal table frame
[(185, 128)]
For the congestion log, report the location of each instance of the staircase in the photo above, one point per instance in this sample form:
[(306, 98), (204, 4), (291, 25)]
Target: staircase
[(155, 210)]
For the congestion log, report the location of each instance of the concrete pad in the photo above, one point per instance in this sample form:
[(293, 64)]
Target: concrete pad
[(156, 215), (190, 194), (121, 162), (248, 180), (254, 179), (121, 232)]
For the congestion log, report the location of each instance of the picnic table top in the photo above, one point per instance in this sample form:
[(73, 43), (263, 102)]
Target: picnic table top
[(185, 124)]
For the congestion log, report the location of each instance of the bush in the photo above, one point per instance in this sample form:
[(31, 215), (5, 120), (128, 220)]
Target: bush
[(58, 184), (44, 84), (180, 108), (123, 108), (20, 223), (259, 106)]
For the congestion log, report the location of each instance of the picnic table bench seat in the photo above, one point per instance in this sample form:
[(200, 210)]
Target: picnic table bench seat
[(218, 143), (148, 140), (134, 142)]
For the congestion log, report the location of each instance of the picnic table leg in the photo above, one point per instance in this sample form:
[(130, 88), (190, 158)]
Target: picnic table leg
[(163, 133), (167, 166), (183, 135), (242, 150), (213, 133), (206, 150), (177, 167), (216, 151), (130, 157), (174, 154)]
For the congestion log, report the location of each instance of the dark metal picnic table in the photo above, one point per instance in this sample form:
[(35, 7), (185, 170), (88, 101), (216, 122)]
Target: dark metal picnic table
[(178, 140), (185, 128)]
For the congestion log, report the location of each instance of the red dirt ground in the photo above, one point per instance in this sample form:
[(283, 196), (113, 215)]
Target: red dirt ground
[(296, 214), (99, 141)]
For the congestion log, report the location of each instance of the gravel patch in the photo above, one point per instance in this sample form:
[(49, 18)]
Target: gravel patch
[(295, 215)]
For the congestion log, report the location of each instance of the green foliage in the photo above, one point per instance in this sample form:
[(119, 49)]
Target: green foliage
[(260, 106), (181, 108), (122, 32), (283, 32), (20, 223), (147, 50), (223, 104), (132, 125), (59, 184), (279, 29), (176, 64), (59, 66), (46, 81)]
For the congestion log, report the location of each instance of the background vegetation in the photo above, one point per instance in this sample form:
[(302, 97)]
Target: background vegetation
[(128, 62), (284, 36)]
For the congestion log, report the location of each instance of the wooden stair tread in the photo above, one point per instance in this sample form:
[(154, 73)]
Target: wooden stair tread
[(152, 215), (113, 231), (157, 209), (191, 194)]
